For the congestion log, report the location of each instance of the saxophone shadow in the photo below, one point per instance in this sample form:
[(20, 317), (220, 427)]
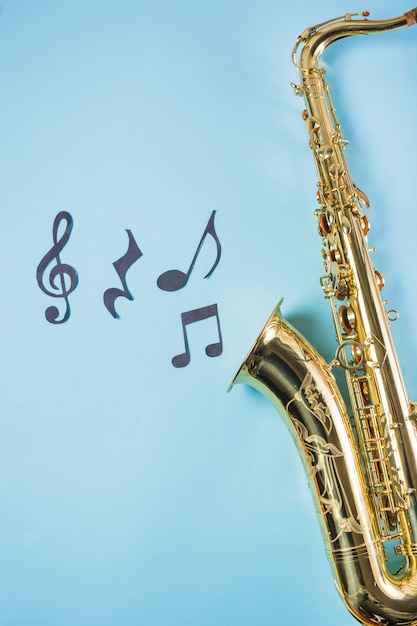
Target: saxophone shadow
[(315, 330)]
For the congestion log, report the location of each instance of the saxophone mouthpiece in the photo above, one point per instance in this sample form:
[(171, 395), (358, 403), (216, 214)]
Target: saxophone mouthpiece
[(411, 17)]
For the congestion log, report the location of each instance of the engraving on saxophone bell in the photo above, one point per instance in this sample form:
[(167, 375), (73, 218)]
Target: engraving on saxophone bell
[(359, 446)]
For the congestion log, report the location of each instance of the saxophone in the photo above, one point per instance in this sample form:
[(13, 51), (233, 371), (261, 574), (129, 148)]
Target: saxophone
[(360, 453)]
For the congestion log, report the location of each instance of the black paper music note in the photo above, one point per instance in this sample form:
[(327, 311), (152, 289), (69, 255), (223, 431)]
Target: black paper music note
[(66, 274), (189, 317), (121, 266), (172, 280)]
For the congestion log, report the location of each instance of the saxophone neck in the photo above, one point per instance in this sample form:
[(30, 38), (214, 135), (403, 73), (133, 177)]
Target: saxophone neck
[(315, 39)]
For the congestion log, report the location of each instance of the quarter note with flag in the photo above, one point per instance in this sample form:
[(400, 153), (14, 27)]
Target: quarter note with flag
[(172, 280)]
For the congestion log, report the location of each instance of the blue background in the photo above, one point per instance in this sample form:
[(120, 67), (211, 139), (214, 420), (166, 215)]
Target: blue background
[(133, 492)]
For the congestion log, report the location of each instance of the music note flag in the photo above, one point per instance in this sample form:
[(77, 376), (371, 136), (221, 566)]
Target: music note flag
[(172, 280), (121, 266), (63, 278), (190, 317)]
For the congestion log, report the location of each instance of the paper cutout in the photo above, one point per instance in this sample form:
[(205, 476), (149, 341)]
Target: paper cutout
[(62, 278), (190, 317), (172, 280), (121, 266)]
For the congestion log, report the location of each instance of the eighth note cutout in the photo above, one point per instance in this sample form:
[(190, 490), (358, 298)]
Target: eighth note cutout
[(121, 266), (172, 280)]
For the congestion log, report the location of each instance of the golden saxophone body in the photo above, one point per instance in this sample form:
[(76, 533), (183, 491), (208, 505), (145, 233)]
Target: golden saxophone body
[(360, 453)]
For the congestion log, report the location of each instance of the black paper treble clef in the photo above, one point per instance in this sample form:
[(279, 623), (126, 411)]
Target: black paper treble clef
[(63, 278)]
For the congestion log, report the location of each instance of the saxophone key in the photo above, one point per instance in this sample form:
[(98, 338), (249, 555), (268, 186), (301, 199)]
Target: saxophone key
[(347, 318), (392, 315), (335, 256), (365, 225), (325, 152), (380, 280), (298, 89), (324, 226), (362, 197), (313, 125)]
